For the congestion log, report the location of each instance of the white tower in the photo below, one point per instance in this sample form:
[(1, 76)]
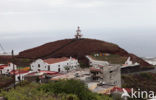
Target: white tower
[(78, 33)]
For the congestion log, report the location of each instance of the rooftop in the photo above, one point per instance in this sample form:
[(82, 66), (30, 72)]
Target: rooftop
[(93, 69), (16, 72), (3, 66), (42, 72), (56, 60)]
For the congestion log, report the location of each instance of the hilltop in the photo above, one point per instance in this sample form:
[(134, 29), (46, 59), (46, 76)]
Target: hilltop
[(77, 48)]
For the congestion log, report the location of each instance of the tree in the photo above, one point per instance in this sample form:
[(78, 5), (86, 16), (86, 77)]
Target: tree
[(67, 68)]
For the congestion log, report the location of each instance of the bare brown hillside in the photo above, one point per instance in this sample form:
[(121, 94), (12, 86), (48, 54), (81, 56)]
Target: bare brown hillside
[(77, 48)]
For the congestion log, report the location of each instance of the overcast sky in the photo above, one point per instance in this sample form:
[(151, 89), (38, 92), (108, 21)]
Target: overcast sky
[(129, 23)]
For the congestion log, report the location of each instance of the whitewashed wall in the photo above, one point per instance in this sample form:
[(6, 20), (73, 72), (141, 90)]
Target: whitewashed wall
[(35, 65), (73, 63), (96, 63), (128, 61), (8, 69), (21, 76)]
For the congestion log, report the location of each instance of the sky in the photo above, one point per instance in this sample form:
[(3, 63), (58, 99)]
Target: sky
[(131, 24)]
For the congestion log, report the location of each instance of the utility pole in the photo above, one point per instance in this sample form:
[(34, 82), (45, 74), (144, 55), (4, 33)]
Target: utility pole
[(19, 71), (13, 61)]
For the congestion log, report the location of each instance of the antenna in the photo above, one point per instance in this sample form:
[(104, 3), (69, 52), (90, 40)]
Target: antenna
[(78, 33)]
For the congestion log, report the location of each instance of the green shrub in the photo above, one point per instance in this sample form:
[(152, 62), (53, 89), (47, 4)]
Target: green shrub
[(75, 87), (61, 90), (68, 97), (30, 92), (69, 87)]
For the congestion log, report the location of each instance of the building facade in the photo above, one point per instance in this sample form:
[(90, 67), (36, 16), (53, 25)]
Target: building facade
[(129, 63), (110, 75), (19, 74), (6, 69), (102, 71), (55, 64)]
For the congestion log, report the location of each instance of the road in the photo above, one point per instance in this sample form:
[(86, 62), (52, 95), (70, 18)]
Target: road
[(151, 71)]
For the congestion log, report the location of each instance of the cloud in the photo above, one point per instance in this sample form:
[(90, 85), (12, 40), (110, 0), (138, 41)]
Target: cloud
[(51, 18), (44, 15)]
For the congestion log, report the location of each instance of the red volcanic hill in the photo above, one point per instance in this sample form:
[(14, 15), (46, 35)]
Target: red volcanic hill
[(5, 59), (77, 48)]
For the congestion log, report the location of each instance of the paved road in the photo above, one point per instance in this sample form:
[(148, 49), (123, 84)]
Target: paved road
[(152, 71)]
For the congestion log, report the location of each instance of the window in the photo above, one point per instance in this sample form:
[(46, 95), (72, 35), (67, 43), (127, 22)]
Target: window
[(39, 66), (111, 71), (59, 69), (67, 64), (115, 82), (19, 78), (58, 65), (48, 67)]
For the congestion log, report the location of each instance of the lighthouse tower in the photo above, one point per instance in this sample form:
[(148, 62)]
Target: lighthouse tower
[(78, 33)]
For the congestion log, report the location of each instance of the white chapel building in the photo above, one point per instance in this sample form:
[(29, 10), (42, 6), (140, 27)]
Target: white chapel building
[(54, 64)]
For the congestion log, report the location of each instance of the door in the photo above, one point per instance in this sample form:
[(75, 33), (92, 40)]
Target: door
[(48, 67)]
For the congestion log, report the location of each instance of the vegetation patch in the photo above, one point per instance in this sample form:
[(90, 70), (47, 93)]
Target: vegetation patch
[(143, 81), (5, 81), (112, 58), (60, 90), (75, 87)]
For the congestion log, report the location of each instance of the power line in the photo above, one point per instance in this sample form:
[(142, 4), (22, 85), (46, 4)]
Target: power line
[(3, 50), (1, 47)]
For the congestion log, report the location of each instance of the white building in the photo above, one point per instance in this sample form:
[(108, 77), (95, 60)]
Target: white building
[(104, 72), (107, 75), (97, 63), (130, 63), (19, 74), (55, 64), (6, 69)]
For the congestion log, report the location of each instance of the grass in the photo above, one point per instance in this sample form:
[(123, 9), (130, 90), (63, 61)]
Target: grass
[(112, 58), (4, 78)]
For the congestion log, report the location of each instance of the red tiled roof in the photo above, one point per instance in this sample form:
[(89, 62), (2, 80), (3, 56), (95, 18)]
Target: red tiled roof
[(33, 73), (18, 72), (120, 89), (100, 66), (55, 60), (95, 69), (3, 66), (46, 72), (49, 72)]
